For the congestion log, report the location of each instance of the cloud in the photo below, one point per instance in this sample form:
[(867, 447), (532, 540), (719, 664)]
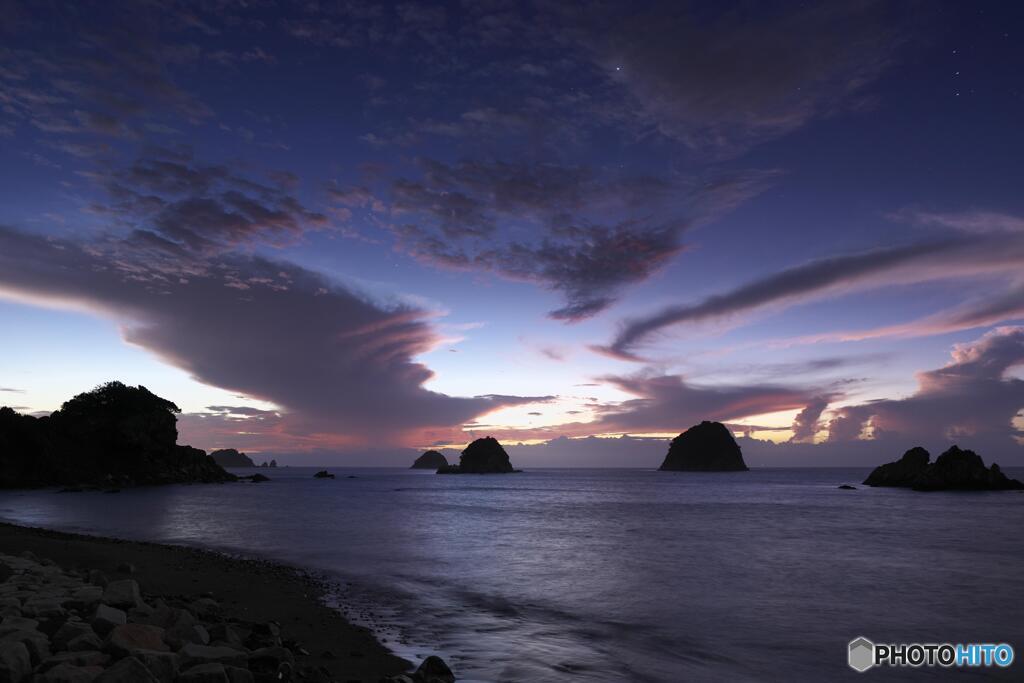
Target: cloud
[(338, 364), (806, 422), (962, 256), (204, 208), (668, 403), (578, 231), (730, 75), (971, 399)]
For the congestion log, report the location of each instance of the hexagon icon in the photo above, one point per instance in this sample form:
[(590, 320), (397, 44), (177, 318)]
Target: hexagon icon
[(862, 654)]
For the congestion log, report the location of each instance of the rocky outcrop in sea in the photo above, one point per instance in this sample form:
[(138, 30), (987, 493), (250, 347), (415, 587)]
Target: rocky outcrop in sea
[(483, 456), (954, 470), (707, 447), (113, 436), (430, 460), (229, 457)]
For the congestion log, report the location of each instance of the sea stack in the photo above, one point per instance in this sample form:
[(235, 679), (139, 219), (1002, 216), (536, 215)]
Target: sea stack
[(431, 460), (955, 470), (229, 457), (707, 447), (483, 456)]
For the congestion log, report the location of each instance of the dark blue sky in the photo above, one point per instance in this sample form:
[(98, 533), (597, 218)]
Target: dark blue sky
[(326, 225)]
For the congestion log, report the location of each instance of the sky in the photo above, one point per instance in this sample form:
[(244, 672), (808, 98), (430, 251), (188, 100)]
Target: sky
[(334, 231)]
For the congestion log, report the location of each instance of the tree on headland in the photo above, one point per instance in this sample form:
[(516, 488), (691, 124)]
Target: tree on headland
[(114, 435)]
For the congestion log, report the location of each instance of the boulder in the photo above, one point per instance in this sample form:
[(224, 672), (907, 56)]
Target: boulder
[(847, 487), (36, 642), (43, 607), (204, 673), (68, 631), (239, 675), (86, 641), (106, 618), (192, 655), (9, 624), (85, 598), (69, 673), (268, 660), (707, 447), (85, 658), (126, 638), (15, 664), (128, 670), (205, 608), (954, 470), (228, 634), (483, 456), (430, 460), (123, 594), (434, 670), (163, 665)]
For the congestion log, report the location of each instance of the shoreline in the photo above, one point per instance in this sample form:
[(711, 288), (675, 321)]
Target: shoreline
[(249, 590)]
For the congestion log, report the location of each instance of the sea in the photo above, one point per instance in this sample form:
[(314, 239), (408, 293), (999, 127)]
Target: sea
[(612, 574)]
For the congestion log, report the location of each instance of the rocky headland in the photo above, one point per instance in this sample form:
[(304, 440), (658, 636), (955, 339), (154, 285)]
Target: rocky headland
[(707, 447), (483, 456), (113, 436), (430, 460), (229, 457), (954, 470)]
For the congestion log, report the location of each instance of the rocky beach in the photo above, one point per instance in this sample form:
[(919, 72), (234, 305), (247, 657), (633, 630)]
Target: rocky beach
[(80, 608)]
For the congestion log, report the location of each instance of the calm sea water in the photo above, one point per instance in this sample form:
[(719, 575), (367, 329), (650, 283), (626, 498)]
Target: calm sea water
[(613, 575)]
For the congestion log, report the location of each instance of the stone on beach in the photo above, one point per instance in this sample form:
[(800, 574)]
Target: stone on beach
[(127, 670), (205, 673), (123, 594), (15, 664), (192, 654), (126, 638), (106, 618)]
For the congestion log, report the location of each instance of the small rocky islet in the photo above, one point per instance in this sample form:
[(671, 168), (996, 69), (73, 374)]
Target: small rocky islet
[(706, 447), (955, 470), (482, 456), (229, 457), (430, 460)]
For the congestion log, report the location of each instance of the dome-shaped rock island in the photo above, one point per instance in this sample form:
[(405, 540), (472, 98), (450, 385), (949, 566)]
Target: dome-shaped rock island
[(431, 460), (954, 470), (707, 447), (229, 457), (483, 456)]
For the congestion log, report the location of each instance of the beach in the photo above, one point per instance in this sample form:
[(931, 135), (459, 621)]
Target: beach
[(249, 593)]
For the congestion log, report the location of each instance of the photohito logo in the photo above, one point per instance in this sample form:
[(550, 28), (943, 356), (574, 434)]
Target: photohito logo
[(862, 654)]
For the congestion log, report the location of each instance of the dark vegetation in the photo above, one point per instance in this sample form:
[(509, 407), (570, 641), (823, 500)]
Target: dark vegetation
[(115, 435)]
